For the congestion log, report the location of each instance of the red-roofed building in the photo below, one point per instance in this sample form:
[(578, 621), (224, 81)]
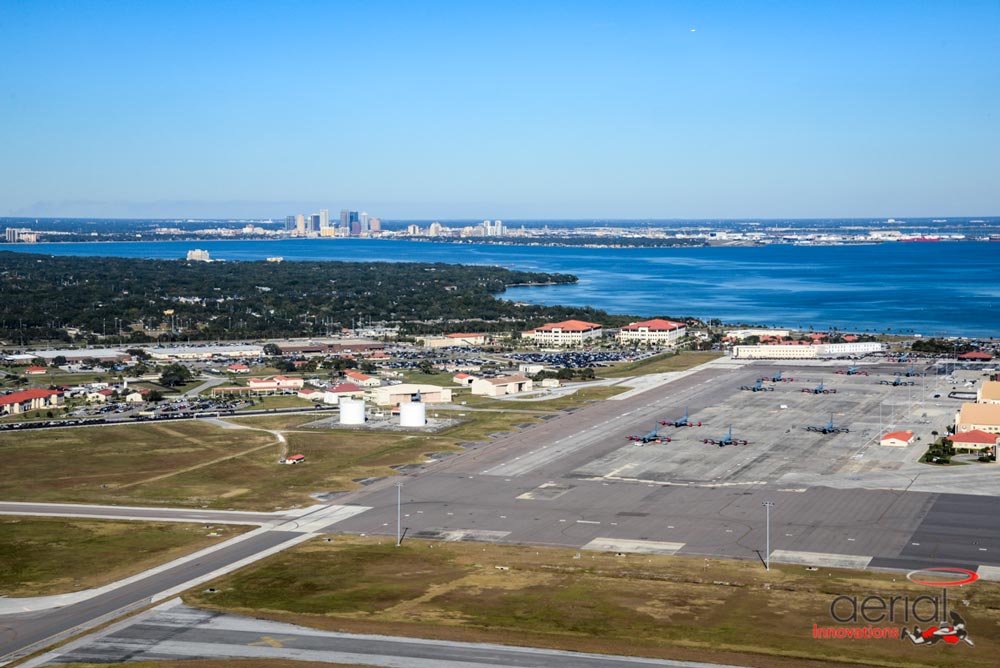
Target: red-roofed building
[(275, 384), (462, 379), (28, 400), (897, 439), (850, 338), (311, 394), (364, 380), (238, 368), (976, 356), (655, 331), (34, 370), (565, 333), (975, 439)]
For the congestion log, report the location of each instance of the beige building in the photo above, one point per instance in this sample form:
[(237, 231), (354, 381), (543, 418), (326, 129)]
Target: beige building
[(498, 387), (455, 340), (463, 379), (655, 332), (364, 380), (390, 395), (975, 439), (275, 384), (989, 393), (565, 333), (984, 417), (28, 400)]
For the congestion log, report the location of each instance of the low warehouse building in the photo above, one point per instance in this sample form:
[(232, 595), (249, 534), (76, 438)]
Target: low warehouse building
[(390, 395), (498, 387)]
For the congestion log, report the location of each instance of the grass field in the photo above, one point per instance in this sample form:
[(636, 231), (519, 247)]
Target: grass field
[(200, 464), (43, 556), (660, 364), (666, 607), (580, 397), (89, 465), (279, 401)]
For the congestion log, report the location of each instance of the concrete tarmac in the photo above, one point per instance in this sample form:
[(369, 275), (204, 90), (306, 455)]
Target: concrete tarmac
[(175, 632)]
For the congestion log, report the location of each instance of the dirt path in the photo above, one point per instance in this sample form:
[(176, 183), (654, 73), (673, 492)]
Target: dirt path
[(279, 440)]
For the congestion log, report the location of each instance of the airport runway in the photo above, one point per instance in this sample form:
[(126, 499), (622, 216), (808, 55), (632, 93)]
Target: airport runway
[(575, 481), (175, 632), (136, 513)]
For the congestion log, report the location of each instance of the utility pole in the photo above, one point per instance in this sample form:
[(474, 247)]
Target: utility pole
[(399, 524), (767, 550)]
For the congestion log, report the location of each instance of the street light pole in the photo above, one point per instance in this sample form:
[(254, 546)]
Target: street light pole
[(399, 501), (767, 551)]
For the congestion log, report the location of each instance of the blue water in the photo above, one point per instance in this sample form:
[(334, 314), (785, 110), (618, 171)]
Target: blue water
[(927, 288)]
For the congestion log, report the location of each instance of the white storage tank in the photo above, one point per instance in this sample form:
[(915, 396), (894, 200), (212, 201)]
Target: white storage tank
[(352, 411), (413, 414)]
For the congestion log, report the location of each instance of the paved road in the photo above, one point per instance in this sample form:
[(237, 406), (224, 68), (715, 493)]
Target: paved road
[(175, 632), (135, 513), (19, 633)]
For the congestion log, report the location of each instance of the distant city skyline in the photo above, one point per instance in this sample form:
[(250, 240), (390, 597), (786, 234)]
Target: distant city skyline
[(549, 110)]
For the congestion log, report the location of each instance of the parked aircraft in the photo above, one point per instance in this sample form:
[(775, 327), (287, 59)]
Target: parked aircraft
[(725, 440), (910, 373), (853, 371), (651, 437), (828, 428), (897, 382), (757, 387), (681, 422), (778, 378), (819, 389)]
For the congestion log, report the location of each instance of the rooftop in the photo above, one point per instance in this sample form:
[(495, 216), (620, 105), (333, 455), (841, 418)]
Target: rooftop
[(25, 395), (656, 324), (900, 435), (980, 413), (990, 391), (974, 436), (569, 326)]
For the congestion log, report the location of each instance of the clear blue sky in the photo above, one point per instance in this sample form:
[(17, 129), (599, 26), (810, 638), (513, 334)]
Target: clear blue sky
[(500, 109)]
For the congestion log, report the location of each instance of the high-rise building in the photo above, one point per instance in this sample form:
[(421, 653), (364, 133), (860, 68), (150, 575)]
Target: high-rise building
[(314, 223), (363, 219), (413, 230), (355, 223), (324, 219), (345, 219), (375, 225), (300, 225), (435, 229), (289, 223)]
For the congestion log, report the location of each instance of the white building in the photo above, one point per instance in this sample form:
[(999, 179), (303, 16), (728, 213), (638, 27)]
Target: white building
[(857, 348), (198, 256), (498, 387), (775, 352), (744, 333), (390, 395), (566, 333), (364, 380), (655, 332)]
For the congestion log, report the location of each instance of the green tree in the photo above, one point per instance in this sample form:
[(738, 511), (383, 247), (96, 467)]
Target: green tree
[(174, 375), (271, 349)]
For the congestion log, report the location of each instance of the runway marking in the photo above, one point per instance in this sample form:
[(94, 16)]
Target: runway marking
[(587, 522), (634, 546), (268, 641), (991, 573), (827, 559)]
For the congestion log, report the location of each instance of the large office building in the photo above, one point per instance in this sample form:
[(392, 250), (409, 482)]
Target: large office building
[(982, 417), (798, 352), (565, 333), (989, 393), (655, 332)]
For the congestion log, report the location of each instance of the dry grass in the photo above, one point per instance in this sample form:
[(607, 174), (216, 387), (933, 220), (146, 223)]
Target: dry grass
[(43, 556), (660, 364), (667, 607)]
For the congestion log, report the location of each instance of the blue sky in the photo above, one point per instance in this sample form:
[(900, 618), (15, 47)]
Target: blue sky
[(500, 109)]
